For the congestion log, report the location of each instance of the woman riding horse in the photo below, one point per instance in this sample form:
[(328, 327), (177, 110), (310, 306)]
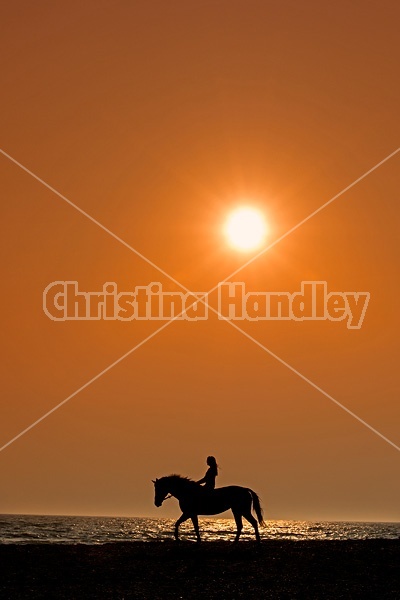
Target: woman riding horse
[(193, 502)]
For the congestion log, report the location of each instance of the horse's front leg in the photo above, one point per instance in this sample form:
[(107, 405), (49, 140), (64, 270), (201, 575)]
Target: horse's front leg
[(181, 519), (195, 522)]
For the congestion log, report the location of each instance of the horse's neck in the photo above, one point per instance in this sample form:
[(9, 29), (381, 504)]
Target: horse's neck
[(179, 488)]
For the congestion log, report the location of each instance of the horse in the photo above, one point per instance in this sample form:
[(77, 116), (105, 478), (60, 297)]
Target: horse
[(194, 500)]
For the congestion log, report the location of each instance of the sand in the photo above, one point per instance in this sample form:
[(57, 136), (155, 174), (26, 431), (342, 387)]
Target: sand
[(187, 571)]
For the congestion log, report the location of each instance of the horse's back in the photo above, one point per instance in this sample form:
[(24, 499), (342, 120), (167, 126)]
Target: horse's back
[(222, 499), (235, 489)]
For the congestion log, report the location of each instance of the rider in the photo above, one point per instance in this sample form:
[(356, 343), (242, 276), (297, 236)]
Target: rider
[(211, 474)]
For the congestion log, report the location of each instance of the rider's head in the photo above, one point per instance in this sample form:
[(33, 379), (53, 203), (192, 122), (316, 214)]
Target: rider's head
[(211, 461)]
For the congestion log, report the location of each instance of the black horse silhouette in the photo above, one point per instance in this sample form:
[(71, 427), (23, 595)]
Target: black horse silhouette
[(195, 500)]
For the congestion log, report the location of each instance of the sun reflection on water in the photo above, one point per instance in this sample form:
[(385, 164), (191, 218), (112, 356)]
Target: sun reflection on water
[(22, 529)]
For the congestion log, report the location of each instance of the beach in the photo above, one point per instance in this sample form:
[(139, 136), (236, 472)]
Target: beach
[(223, 570)]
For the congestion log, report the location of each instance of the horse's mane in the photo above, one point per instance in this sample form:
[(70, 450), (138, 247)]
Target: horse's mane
[(179, 478)]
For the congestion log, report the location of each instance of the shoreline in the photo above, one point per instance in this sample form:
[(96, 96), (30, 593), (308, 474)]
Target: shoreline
[(165, 570)]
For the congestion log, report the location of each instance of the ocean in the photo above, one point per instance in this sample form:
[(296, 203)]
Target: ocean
[(28, 529)]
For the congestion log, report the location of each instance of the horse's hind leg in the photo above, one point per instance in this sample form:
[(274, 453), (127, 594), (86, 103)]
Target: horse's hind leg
[(195, 522), (253, 521), (239, 525), (181, 519)]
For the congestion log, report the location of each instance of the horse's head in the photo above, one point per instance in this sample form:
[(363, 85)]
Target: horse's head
[(161, 491)]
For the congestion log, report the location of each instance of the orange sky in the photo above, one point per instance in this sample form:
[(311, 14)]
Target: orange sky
[(157, 119)]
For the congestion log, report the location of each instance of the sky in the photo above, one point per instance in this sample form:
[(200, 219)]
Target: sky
[(151, 122)]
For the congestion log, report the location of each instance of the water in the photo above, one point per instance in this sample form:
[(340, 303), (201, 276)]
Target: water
[(25, 529)]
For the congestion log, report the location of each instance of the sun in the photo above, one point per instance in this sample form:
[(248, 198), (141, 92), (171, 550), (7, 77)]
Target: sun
[(245, 228)]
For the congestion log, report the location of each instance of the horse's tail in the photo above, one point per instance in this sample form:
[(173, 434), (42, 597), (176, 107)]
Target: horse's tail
[(257, 508)]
